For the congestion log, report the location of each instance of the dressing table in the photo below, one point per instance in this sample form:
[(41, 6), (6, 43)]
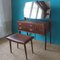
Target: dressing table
[(38, 21), (39, 27)]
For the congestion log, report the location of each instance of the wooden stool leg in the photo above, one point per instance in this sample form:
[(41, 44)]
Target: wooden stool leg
[(25, 51), (32, 46), (10, 46)]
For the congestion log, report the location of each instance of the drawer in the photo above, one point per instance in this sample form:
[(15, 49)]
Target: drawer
[(26, 29), (33, 27)]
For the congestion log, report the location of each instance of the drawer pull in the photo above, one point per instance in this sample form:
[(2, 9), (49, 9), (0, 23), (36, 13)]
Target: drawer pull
[(19, 23), (20, 28), (30, 25)]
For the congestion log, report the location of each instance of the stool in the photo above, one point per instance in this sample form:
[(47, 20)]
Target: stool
[(22, 39)]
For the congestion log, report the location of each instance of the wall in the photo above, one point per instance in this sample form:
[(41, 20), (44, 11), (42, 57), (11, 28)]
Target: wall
[(17, 14), (5, 17), (55, 16)]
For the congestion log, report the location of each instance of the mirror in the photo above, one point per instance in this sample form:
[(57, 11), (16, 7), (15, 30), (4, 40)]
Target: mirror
[(37, 10)]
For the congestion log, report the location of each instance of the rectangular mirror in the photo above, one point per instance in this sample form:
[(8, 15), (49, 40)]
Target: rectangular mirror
[(37, 10)]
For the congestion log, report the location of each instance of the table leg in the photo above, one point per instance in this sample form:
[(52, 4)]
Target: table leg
[(50, 35), (45, 40), (27, 33)]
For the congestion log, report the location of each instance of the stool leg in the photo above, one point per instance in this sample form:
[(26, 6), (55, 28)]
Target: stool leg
[(32, 46), (25, 51), (10, 46)]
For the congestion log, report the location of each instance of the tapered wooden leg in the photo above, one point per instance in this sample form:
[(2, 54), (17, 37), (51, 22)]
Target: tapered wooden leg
[(45, 42), (32, 46), (45, 39), (50, 34), (25, 51), (10, 46), (50, 31)]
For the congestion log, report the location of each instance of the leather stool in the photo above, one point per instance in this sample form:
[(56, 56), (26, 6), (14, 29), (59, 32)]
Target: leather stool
[(20, 39)]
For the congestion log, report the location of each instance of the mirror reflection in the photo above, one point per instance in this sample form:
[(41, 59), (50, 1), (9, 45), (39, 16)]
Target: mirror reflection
[(37, 10)]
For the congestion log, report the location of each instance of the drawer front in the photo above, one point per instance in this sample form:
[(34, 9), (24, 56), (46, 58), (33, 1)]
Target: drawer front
[(24, 26), (31, 27), (38, 28)]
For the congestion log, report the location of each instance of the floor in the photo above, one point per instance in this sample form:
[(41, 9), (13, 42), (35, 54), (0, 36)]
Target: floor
[(52, 52)]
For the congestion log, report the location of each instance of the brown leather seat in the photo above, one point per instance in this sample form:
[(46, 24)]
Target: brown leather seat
[(19, 38)]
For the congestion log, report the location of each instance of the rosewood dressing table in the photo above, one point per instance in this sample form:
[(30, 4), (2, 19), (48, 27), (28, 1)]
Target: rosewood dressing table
[(36, 18), (39, 27)]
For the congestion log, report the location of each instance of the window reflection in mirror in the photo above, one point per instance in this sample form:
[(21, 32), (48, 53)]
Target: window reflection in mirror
[(37, 10)]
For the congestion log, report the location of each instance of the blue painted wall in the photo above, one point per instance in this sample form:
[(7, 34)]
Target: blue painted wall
[(17, 14)]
